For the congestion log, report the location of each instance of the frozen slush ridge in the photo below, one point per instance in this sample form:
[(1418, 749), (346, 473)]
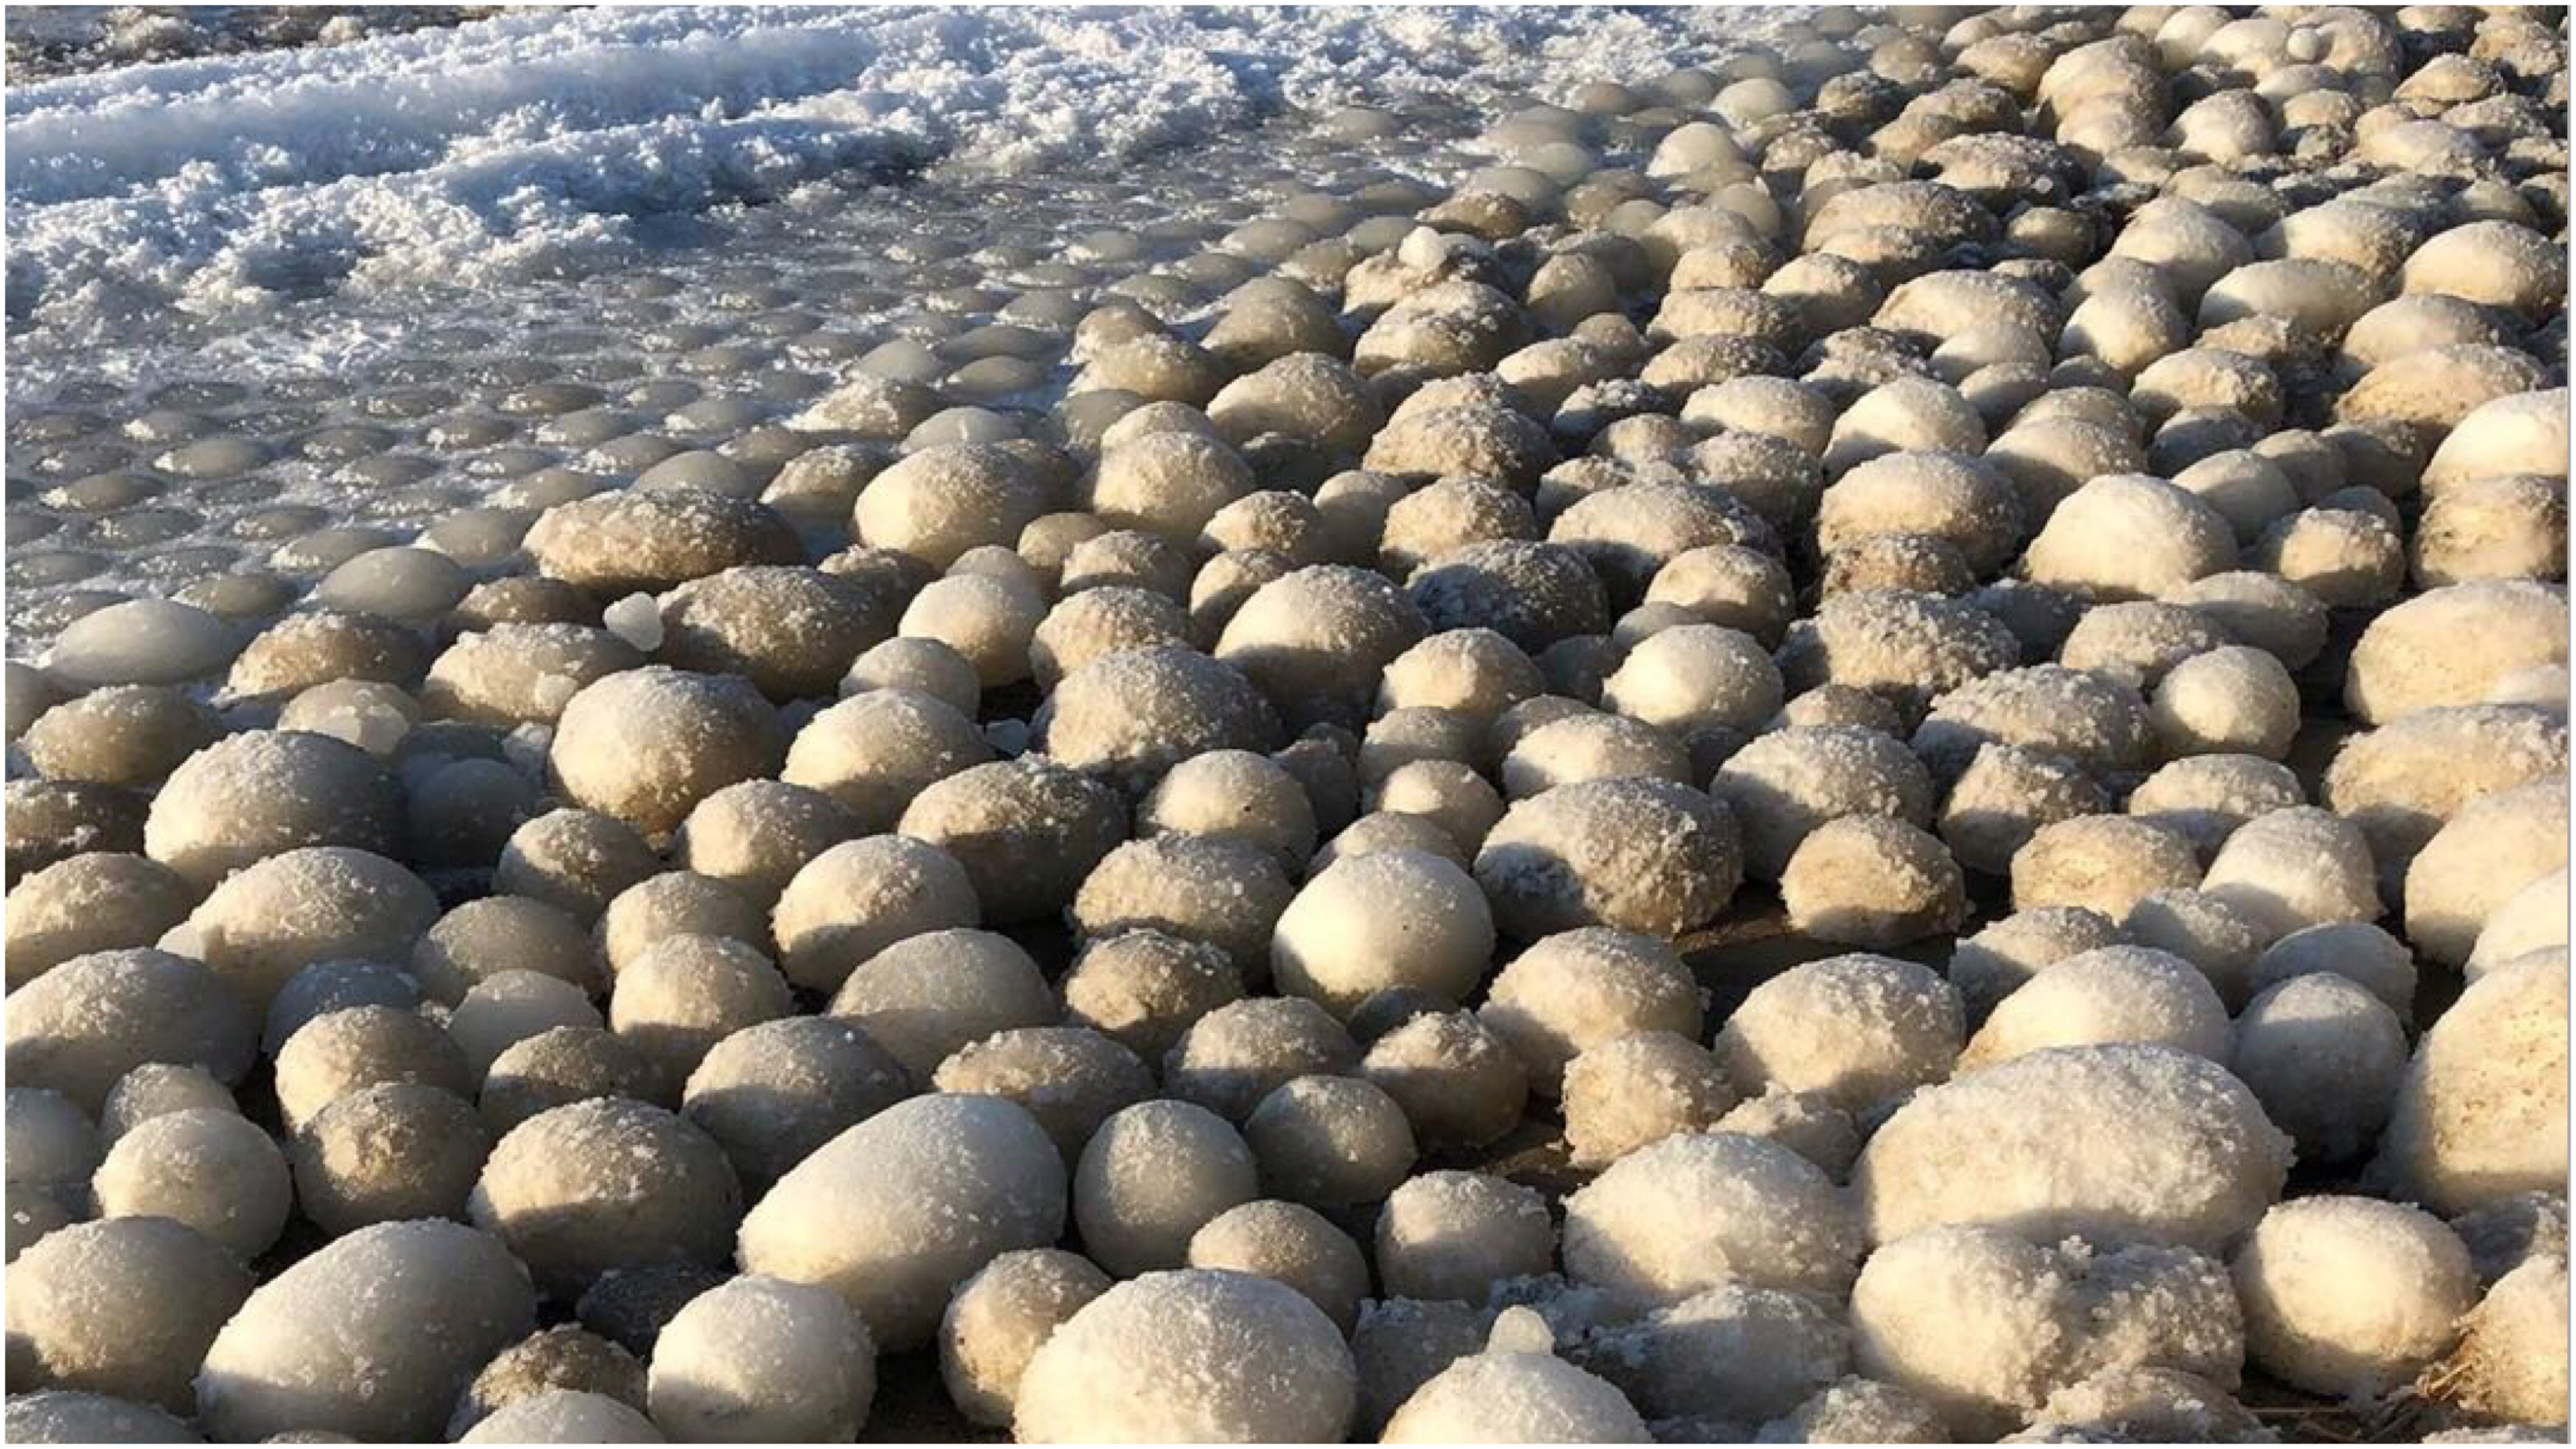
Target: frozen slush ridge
[(535, 139)]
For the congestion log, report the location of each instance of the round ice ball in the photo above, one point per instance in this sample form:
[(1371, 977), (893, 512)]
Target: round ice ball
[(1639, 855), (895, 1212), (82, 1026), (1517, 1391), (388, 1153), (1677, 1217), (1580, 988), (773, 1093), (1163, 1358), (647, 745), (374, 1335), (999, 1319), (2121, 1143), (1151, 1177), (125, 1306), (582, 1190), (763, 1359), (258, 794), (2324, 1057), (1862, 1029), (213, 1171), (1288, 1243), (2480, 1114), (1397, 918), (2350, 1296)]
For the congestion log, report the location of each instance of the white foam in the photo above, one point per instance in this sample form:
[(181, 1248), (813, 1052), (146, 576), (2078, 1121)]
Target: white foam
[(537, 137)]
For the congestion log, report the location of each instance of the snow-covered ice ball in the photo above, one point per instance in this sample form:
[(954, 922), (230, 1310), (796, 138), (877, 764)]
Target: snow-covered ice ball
[(374, 1335), (2103, 863), (2232, 700), (1401, 1344), (130, 734), (2007, 795), (684, 994), (2090, 719), (1906, 647), (2128, 536), (2496, 845), (1028, 831), (514, 674), (987, 619), (1734, 1353), (1476, 672), (1093, 624), (2482, 1112), (1292, 1244), (854, 899), (2513, 1356), (1993, 963), (2114, 994), (775, 1092), (1137, 713), (1152, 1175), (763, 1358), (1696, 676), (616, 543), (2263, 610), (2400, 782), (1222, 892), (922, 666), (895, 1212), (2121, 1143), (1233, 794), (388, 1153), (1637, 855), (647, 745), (1451, 1235), (1196, 1354), (675, 903), (1692, 1211), (1070, 1078), (2138, 641), (939, 502), (2324, 1056), (1987, 1325), (1393, 918), (925, 996), (582, 1190), (82, 1026), (2446, 646), (1330, 1141), (2351, 1296), (1143, 988), (1318, 640), (1516, 1391), (2295, 868), (756, 835), (1868, 880), (62, 911), (258, 794), (1637, 1089), (1583, 746), (124, 1306), (1861, 1029), (2356, 950), (1232, 1057), (575, 860), (1579, 988), (2207, 797), (501, 935), (2137, 1405), (1784, 784), (342, 1051), (564, 1416), (2213, 936), (1000, 1317), (1856, 1410), (155, 1089), (1459, 1082)]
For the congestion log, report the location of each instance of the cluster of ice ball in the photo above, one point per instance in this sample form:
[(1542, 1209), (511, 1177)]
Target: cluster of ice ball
[(1927, 466)]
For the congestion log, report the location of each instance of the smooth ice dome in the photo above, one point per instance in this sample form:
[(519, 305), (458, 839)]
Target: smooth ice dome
[(896, 1211), (1388, 919), (761, 1358), (1195, 1354)]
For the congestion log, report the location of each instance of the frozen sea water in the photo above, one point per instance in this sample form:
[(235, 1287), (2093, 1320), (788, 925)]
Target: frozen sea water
[(258, 301)]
